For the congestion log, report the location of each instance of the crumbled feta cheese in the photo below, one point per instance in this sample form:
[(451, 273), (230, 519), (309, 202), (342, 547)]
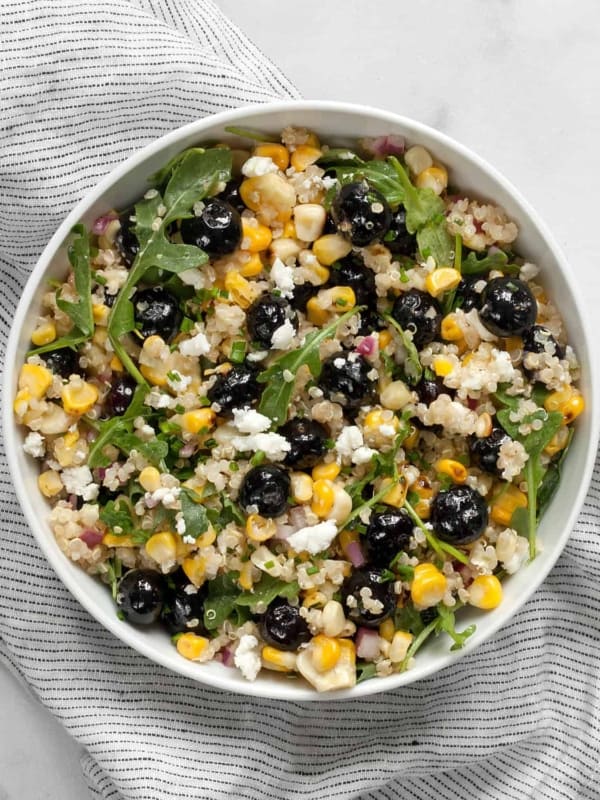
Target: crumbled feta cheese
[(34, 444), (198, 345), (257, 355), (387, 430), (288, 376), (283, 277), (349, 440), (178, 382), (193, 277), (79, 481), (187, 539), (256, 166), (157, 399), (314, 538), (180, 527), (273, 445), (339, 363), (282, 336), (362, 455), (247, 420), (167, 495), (247, 658)]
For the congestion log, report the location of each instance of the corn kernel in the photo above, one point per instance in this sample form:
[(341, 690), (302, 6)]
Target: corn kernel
[(395, 396), (79, 398), (347, 538), (451, 330), (400, 644), (330, 248), (333, 618), (289, 230), (454, 469), (195, 569), (245, 580), (270, 195), (253, 267), (342, 505), (323, 498), (115, 540), (418, 159), (317, 273), (343, 298), (377, 417), (276, 152), (442, 366), (316, 314), (115, 364), (309, 219), (49, 483), (255, 238), (485, 592), (100, 313), (200, 420), (411, 440), (556, 400), (428, 585), (285, 249), (326, 472), (313, 597), (385, 337), (303, 156), (259, 529), (397, 493), (301, 487), (21, 403), (149, 479), (157, 377), (241, 292), (512, 343), (207, 538), (441, 280), (36, 379), (162, 547), (558, 442), (191, 646), (326, 652), (45, 333), (434, 178), (572, 408), (505, 505), (278, 660), (387, 630)]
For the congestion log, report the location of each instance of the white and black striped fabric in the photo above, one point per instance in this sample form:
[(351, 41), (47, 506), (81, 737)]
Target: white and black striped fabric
[(82, 86)]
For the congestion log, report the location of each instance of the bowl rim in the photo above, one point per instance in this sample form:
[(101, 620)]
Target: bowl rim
[(268, 689)]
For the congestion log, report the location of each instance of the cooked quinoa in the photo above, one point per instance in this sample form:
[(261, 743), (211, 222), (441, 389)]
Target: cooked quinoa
[(298, 405)]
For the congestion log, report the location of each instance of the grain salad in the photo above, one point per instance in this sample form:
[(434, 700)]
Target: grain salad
[(299, 405)]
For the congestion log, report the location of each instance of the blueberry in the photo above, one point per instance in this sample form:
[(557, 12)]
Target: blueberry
[(231, 195), (459, 515), (429, 389), (369, 322), (307, 440), (468, 296), (282, 626), (217, 231), (380, 591), (126, 240), (398, 240), (157, 313), (344, 380), (485, 451), (350, 271), (63, 361), (140, 595), (302, 294), (268, 488), (418, 313), (236, 388), (508, 307), (120, 395), (361, 213), (265, 315), (183, 611), (539, 340), (387, 534)]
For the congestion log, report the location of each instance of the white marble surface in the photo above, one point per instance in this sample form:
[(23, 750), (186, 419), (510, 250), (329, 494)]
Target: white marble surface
[(517, 81)]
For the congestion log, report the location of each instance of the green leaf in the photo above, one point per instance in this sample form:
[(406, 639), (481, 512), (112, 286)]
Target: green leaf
[(520, 521), (277, 394), (365, 670), (246, 133), (412, 366), (114, 572), (110, 430), (80, 312), (497, 259), (220, 601), (434, 240), (379, 174), (339, 155), (194, 516), (174, 258), (117, 514), (501, 396), (422, 205), (447, 623), (163, 174), (535, 441), (408, 619), (266, 590), (154, 450), (193, 178)]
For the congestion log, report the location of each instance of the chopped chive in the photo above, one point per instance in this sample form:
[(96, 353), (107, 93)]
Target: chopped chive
[(238, 352), (311, 570), (257, 458)]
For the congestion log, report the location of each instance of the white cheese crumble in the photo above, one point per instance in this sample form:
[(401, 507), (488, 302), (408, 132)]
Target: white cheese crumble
[(273, 445), (188, 539), (362, 455), (314, 538), (247, 658), (256, 166), (198, 345), (349, 440), (177, 381), (247, 420), (257, 355), (79, 481), (193, 277), (283, 277), (167, 495), (34, 444), (282, 336)]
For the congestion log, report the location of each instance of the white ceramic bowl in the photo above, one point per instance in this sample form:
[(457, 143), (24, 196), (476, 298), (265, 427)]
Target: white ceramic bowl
[(338, 123)]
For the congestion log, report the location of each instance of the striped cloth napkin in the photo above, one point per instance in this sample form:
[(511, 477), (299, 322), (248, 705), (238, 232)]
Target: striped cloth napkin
[(83, 85)]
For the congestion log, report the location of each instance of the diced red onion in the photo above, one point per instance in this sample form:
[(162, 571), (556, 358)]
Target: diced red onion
[(472, 403), (227, 656), (105, 376), (284, 531), (382, 146), (187, 450), (297, 518), (367, 346), (101, 473), (367, 644), (72, 499), (355, 554), (101, 224), (91, 538)]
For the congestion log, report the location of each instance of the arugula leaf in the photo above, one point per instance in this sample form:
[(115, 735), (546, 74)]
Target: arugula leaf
[(379, 174), (422, 205), (117, 514), (112, 427), (447, 623), (278, 392), (162, 175), (501, 396), (266, 590), (154, 450), (365, 670), (434, 240), (409, 619), (114, 572), (437, 545), (220, 601), (497, 259), (194, 515), (246, 133), (194, 175), (339, 155), (412, 366)]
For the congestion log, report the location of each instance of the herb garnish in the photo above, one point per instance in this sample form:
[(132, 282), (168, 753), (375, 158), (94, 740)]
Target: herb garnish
[(412, 366)]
